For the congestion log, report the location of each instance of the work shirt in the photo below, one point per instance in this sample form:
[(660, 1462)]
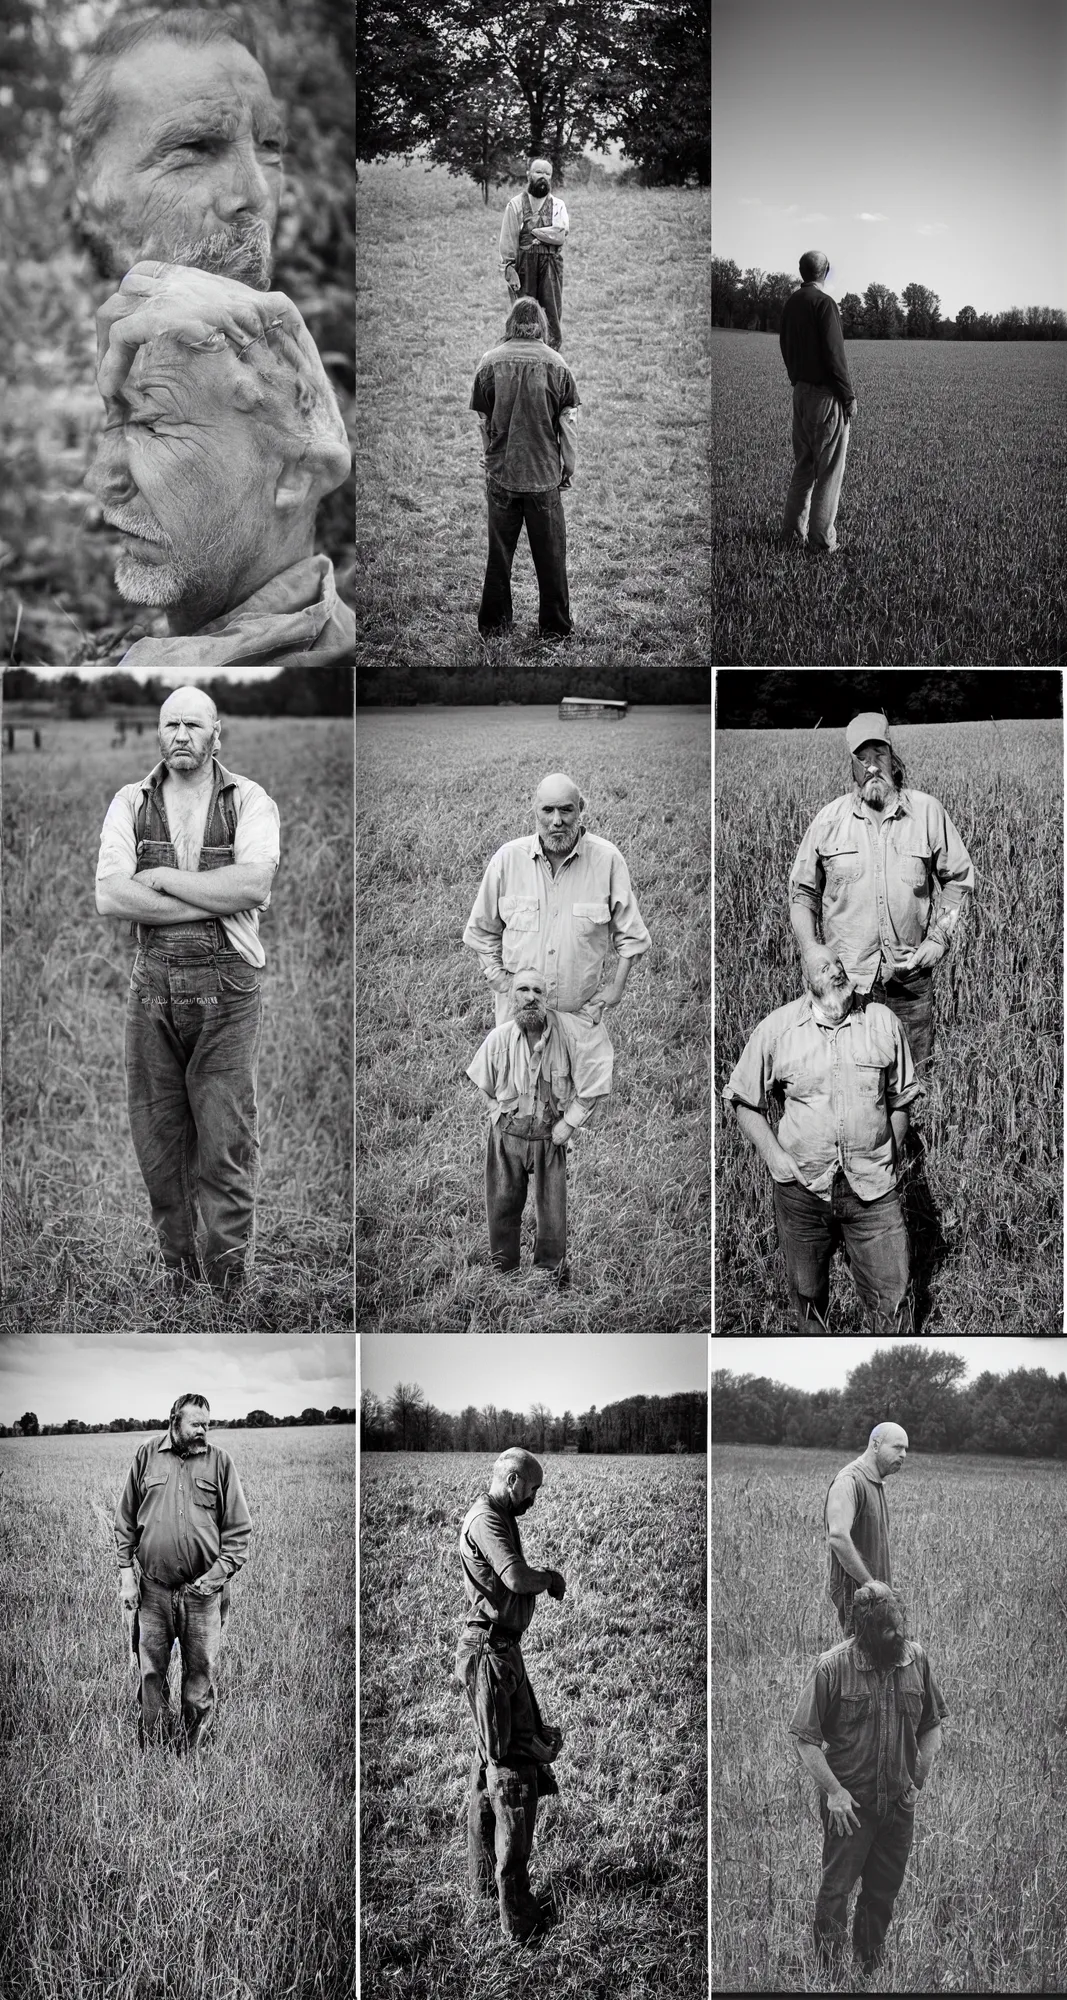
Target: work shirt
[(183, 1518), (489, 1548), (812, 343), (868, 1721), (561, 925), (256, 842), (295, 620), (548, 213), (569, 1066), (869, 1530), (838, 1084), (872, 879), (523, 388)]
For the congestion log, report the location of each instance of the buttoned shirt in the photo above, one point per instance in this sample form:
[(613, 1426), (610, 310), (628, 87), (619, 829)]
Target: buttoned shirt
[(524, 389), (839, 1085), (256, 843), (869, 1720), (569, 1065), (548, 213), (297, 619), (872, 879), (489, 1547), (182, 1517), (561, 925)]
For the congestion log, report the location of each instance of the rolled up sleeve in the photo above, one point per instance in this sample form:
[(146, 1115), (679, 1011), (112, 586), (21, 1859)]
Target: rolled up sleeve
[(807, 877), (902, 1085), (955, 874), (628, 933), (485, 926), (257, 837), (752, 1077), (509, 236), (118, 844)]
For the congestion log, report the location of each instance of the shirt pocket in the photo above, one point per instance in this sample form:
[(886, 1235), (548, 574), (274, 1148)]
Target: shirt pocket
[(590, 918), (841, 865), (151, 1492), (915, 871), (205, 1493), (869, 1073), (853, 1717), (522, 922)]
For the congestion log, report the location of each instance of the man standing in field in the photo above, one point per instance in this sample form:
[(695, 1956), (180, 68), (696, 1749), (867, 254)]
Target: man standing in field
[(824, 403), (867, 1729), (513, 1746), (527, 404), (184, 1517), (532, 236), (844, 1075), (857, 1519), (187, 856)]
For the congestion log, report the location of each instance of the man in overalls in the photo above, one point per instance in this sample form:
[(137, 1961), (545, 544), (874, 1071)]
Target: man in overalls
[(188, 855), (532, 236)]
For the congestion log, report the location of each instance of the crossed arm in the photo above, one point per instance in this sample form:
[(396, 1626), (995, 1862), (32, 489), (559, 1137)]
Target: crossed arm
[(178, 896)]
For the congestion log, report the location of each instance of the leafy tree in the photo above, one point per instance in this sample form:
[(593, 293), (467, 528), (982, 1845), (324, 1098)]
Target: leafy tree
[(312, 1417), (259, 1420), (402, 78), (853, 323), (923, 312), (725, 291), (909, 1385), (966, 323), (29, 1425), (881, 313), (664, 82)]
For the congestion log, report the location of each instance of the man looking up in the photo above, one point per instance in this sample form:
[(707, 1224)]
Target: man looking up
[(532, 236), (824, 403), (857, 1520)]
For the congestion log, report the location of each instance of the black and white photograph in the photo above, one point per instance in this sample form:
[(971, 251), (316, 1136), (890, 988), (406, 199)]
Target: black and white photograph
[(889, 1002), (177, 1644), (888, 1731), (533, 1625)]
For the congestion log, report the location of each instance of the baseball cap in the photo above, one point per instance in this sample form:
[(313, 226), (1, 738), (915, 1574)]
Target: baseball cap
[(869, 728)]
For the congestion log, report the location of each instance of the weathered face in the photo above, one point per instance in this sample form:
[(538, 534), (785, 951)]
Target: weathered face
[(872, 771), (523, 1492), (558, 815), (528, 1002), (192, 1425), (540, 177), (188, 732), (831, 985), (891, 1455), (190, 170)]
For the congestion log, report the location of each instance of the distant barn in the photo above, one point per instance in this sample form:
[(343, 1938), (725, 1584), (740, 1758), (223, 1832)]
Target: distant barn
[(582, 708)]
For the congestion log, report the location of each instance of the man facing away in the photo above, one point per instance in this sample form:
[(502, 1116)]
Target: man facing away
[(527, 404), (188, 855), (867, 1729), (183, 1516), (824, 402), (857, 1520), (532, 236), (513, 1747)]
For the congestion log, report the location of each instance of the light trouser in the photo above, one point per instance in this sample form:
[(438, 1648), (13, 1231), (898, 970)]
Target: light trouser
[(197, 1623), (820, 444), (502, 1801), (876, 1857)]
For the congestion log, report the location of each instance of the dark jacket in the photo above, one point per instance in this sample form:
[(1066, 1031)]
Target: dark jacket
[(813, 345)]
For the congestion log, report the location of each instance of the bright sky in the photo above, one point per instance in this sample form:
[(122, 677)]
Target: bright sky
[(170, 676), (563, 1371), (823, 1362), (100, 1376), (911, 140)]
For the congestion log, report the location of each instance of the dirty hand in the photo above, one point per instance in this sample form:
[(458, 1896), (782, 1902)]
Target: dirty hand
[(842, 1810), (562, 1133), (926, 954), (128, 1591)]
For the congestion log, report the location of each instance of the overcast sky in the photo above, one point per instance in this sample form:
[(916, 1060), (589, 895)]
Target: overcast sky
[(564, 1371), (100, 1376), (823, 1362), (913, 141), (170, 676)]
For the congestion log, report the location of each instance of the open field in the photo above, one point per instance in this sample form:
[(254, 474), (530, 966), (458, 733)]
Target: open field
[(439, 792), (950, 517), (993, 1113), (619, 1666), (79, 1249), (431, 301), (983, 1908), (125, 1875)]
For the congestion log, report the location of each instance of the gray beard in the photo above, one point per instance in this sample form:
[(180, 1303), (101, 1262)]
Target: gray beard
[(245, 255)]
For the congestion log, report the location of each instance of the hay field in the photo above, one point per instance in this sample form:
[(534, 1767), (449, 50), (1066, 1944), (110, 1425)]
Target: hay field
[(993, 1113), (438, 792), (125, 1875), (79, 1248), (977, 1552), (950, 517), (619, 1666)]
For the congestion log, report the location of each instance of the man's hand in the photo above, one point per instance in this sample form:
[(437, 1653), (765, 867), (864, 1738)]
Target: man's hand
[(910, 1797), (788, 1165), (607, 997), (512, 279), (565, 481), (926, 954), (841, 1807), (156, 878), (562, 1133), (556, 1585), (850, 410), (128, 1591)]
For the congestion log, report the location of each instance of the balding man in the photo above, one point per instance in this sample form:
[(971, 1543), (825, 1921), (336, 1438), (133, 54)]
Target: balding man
[(513, 1746), (187, 857), (857, 1520), (558, 899), (824, 403)]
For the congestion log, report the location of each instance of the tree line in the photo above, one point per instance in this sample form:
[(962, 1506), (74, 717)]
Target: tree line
[(752, 301), (256, 1420), (1022, 1414), (477, 86), (293, 691), (406, 1421), (822, 696)]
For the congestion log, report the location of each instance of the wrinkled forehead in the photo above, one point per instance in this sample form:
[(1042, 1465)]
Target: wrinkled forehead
[(166, 80), (530, 982), (188, 705), (169, 377), (894, 1435)]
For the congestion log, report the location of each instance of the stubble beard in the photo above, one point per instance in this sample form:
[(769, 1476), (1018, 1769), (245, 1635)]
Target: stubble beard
[(561, 843), (244, 254), (201, 576)]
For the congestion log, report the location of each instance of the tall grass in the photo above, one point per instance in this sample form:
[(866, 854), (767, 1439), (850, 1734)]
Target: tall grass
[(227, 1878), (438, 793), (983, 1908), (618, 1666), (992, 1115), (79, 1249), (951, 550)]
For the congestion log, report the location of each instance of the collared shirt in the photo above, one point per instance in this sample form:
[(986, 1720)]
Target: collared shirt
[(548, 214), (523, 387), (182, 1517), (489, 1547), (870, 1721), (839, 1086), (868, 1528), (297, 619), (872, 877), (561, 924), (255, 842), (569, 1065)]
